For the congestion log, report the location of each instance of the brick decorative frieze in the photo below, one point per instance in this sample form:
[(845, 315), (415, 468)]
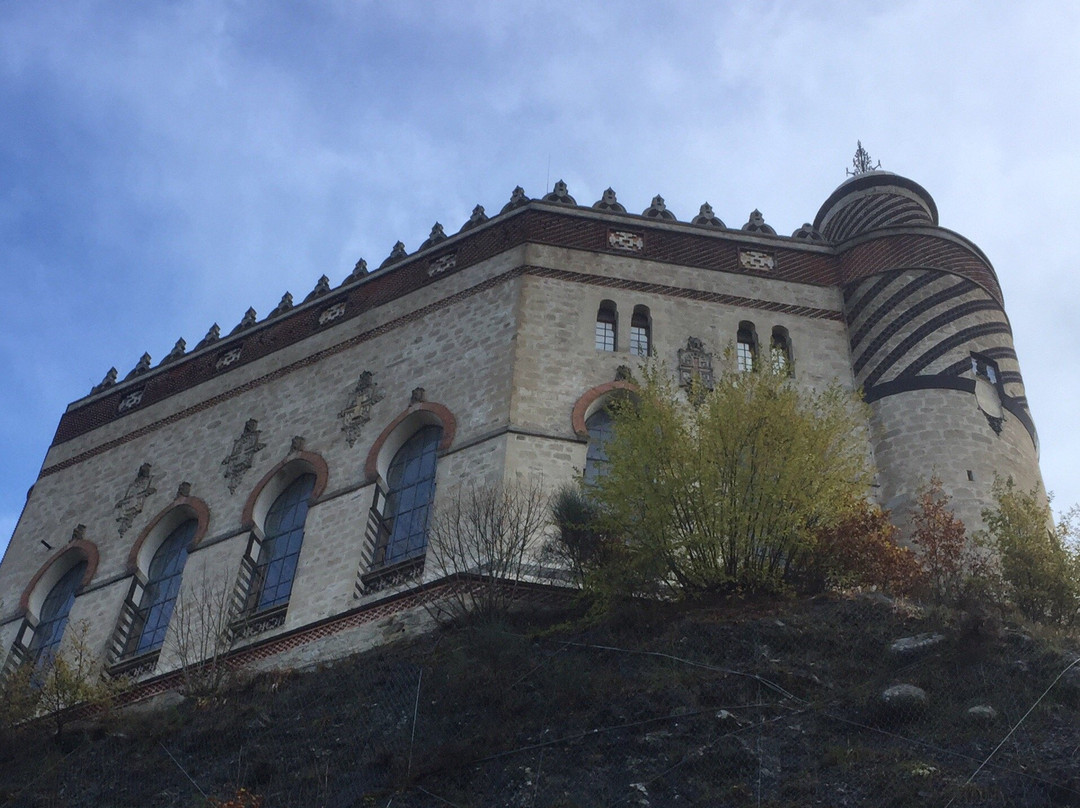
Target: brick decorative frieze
[(130, 401), (331, 313), (444, 263)]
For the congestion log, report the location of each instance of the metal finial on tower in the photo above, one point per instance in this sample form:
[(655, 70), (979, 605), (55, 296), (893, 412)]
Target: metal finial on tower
[(861, 161)]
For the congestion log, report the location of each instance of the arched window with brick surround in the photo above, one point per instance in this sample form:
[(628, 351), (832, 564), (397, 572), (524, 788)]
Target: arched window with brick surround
[(600, 426), (283, 536), (410, 482), (151, 618), (607, 322), (53, 617)]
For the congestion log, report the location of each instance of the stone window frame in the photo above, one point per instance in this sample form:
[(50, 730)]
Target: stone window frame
[(781, 359), (746, 347), (595, 400), (607, 327), (641, 331)]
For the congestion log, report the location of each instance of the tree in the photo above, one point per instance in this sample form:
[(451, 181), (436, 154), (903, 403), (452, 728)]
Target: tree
[(201, 635), (729, 487), (861, 550), (1040, 563), (942, 538), (488, 538)]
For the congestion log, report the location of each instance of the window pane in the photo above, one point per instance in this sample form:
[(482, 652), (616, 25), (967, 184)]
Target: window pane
[(54, 616), (411, 479), (276, 567), (163, 584)]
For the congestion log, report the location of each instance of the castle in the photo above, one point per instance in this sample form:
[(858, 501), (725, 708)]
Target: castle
[(296, 457)]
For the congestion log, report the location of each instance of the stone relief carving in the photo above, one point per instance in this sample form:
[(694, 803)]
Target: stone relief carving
[(625, 240), (331, 313), (131, 400), (695, 363), (357, 412), (242, 455), (757, 259), (443, 263), (228, 357), (131, 504)]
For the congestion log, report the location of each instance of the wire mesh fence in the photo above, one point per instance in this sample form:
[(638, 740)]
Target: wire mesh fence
[(837, 702)]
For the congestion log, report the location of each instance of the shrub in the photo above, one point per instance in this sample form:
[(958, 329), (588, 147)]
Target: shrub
[(726, 488), (1039, 562), (943, 543), (861, 550)]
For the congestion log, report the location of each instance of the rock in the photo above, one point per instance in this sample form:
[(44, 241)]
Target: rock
[(982, 712), (902, 702), (913, 646)]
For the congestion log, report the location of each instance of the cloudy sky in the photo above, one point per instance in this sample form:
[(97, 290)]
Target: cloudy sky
[(165, 165)]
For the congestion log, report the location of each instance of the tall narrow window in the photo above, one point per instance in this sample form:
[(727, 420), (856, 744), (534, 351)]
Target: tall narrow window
[(745, 347), (53, 618), (780, 351), (284, 534), (600, 426), (159, 597), (411, 482), (640, 331), (607, 319)]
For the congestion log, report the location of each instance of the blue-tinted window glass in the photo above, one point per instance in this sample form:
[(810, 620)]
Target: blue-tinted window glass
[(162, 587), (411, 480), (284, 535), (54, 616), (600, 427)]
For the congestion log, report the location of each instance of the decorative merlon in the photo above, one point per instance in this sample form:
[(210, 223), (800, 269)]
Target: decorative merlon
[(560, 195), (478, 217), (396, 254), (609, 202), (437, 235), (322, 287), (706, 217), (517, 199), (756, 224)]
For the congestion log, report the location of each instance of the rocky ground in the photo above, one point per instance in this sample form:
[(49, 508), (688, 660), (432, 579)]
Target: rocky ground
[(836, 701)]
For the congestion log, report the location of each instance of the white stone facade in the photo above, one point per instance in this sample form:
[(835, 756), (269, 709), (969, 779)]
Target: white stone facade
[(490, 335)]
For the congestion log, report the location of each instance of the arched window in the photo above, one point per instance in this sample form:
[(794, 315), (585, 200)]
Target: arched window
[(780, 351), (745, 347), (283, 535), (600, 426), (607, 320), (640, 331), (410, 479), (151, 620), (53, 617)]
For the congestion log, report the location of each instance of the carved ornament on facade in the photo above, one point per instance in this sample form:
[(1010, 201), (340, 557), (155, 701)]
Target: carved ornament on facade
[(444, 263), (228, 357), (107, 382), (757, 260), (625, 240), (322, 287), (695, 363), (131, 505), (130, 401), (243, 454), (477, 217), (357, 412), (609, 202), (331, 313)]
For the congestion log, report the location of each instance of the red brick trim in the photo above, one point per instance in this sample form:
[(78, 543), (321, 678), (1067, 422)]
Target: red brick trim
[(193, 506), (449, 427), (315, 464), (581, 407), (81, 547)]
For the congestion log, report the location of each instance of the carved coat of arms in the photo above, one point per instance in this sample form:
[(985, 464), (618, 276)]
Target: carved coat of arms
[(242, 454), (357, 412), (695, 363)]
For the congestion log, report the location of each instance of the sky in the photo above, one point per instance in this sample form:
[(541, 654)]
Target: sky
[(164, 165)]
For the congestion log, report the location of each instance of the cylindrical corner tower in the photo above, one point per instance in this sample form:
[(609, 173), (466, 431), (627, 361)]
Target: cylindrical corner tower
[(931, 348)]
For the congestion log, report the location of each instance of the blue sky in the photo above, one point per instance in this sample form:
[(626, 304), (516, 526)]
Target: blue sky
[(165, 165)]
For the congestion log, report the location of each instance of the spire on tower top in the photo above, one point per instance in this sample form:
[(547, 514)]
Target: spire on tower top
[(861, 161)]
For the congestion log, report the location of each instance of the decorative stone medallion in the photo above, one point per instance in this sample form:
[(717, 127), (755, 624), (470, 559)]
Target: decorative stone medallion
[(358, 411), (229, 357), (131, 504), (242, 455), (444, 263), (131, 400), (625, 240), (332, 313), (695, 363), (757, 260)]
